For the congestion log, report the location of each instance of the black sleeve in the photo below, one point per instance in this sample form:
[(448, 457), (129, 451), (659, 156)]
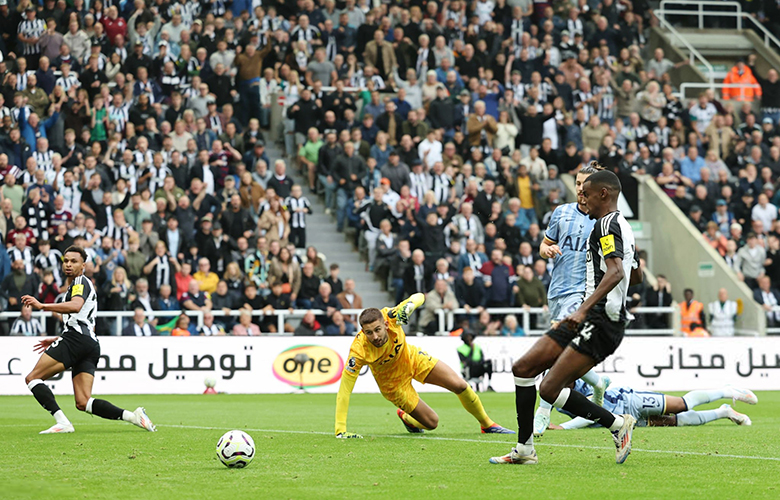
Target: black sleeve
[(610, 237)]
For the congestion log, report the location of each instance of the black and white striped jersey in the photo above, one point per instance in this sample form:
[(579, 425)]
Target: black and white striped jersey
[(32, 29), (611, 237), (25, 255), (51, 261), (24, 328), (66, 82), (83, 321), (297, 219), (44, 160)]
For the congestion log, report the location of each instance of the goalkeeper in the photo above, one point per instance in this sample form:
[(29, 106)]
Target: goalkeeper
[(381, 344)]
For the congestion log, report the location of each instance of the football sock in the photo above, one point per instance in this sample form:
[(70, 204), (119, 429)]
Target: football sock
[(525, 399), (577, 404), (696, 398), (104, 409), (700, 417), (592, 378), (45, 397), (473, 405), (412, 421)]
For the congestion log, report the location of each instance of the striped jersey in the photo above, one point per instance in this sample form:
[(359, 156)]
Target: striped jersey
[(32, 29), (24, 328), (83, 321), (569, 228), (297, 219), (611, 237)]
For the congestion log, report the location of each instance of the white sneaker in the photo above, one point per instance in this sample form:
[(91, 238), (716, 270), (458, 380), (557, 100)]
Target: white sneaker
[(513, 457), (737, 417), (744, 395), (142, 420), (600, 389), (541, 423), (622, 438), (59, 429)]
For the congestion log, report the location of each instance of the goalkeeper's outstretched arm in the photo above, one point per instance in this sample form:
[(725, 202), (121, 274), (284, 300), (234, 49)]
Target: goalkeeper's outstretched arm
[(403, 311), (342, 405)]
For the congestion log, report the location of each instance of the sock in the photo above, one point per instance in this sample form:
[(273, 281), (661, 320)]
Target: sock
[(696, 398), (61, 419), (577, 404), (104, 409), (45, 397), (700, 417), (544, 408), (592, 378), (412, 421), (525, 399), (473, 405)]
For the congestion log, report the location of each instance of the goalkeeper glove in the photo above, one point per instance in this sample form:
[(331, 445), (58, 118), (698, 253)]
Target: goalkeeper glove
[(404, 312), (348, 435)]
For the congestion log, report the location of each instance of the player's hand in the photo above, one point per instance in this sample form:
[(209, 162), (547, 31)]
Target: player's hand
[(44, 344), (348, 435), (554, 427), (575, 319), (403, 313), (31, 301), (552, 252)]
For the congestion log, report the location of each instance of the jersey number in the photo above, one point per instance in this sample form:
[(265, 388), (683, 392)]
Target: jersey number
[(648, 402)]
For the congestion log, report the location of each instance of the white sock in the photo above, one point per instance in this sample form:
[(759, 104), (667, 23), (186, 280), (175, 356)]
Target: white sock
[(592, 378), (544, 408), (527, 448), (617, 424), (128, 416), (89, 405), (563, 396), (700, 417), (696, 398), (60, 417)]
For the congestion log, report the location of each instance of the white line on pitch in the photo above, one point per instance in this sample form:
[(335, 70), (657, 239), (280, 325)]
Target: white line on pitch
[(487, 441)]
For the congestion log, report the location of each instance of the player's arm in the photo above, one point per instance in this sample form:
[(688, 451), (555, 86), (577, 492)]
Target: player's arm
[(612, 277), (576, 423), (404, 310), (348, 378), (549, 249), (70, 307)]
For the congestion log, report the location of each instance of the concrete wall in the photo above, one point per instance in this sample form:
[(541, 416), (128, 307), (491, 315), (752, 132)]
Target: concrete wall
[(682, 254), (685, 73)]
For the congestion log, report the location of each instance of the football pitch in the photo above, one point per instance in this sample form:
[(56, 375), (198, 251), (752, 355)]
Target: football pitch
[(298, 457)]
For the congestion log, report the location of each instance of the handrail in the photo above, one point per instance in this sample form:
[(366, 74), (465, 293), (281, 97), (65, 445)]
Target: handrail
[(701, 14), (697, 85), (447, 318), (693, 53)]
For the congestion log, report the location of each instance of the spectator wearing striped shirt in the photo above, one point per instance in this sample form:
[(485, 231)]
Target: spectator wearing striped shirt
[(25, 325), (29, 34)]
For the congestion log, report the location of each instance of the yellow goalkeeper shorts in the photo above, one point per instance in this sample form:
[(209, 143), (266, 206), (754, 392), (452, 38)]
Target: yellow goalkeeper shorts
[(401, 393)]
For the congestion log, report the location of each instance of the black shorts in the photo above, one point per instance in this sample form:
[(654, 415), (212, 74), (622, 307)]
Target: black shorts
[(597, 336), (77, 351)]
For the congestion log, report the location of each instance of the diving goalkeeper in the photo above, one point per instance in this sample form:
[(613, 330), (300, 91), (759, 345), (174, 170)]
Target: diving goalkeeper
[(381, 344)]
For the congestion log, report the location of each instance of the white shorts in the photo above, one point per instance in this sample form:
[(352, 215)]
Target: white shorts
[(564, 305)]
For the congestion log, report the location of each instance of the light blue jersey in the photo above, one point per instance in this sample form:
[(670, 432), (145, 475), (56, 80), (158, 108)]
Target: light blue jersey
[(620, 400), (569, 228)]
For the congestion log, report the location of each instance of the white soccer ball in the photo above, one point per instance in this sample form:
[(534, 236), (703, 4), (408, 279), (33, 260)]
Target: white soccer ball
[(210, 382), (236, 449)]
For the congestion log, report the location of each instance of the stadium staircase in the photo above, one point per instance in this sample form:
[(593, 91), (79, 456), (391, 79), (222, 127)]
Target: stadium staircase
[(336, 247)]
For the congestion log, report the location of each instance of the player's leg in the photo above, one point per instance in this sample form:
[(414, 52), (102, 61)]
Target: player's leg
[(540, 357), (570, 366), (83, 379), (684, 417), (444, 376), (422, 417), (696, 398), (44, 369)]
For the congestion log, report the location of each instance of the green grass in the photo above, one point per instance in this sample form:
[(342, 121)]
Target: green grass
[(297, 456)]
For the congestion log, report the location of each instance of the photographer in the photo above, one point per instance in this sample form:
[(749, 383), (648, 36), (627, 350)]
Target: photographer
[(473, 364)]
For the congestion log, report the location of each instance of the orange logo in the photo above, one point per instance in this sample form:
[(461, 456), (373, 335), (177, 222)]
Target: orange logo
[(308, 366)]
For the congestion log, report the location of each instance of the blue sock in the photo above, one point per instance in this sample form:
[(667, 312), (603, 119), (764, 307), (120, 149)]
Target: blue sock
[(696, 398), (592, 378), (699, 417)]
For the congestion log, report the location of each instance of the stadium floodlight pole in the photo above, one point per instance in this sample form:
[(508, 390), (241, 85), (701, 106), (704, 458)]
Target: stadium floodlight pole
[(301, 359)]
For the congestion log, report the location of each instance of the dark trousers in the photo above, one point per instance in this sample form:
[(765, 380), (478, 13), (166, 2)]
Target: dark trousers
[(298, 237)]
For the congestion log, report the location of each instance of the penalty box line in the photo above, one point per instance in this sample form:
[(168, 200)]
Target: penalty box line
[(486, 441)]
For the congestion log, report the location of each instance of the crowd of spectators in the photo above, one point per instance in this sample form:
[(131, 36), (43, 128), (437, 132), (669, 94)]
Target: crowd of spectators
[(437, 131)]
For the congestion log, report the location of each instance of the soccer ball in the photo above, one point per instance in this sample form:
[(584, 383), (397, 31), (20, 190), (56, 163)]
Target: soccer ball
[(236, 449), (210, 382)]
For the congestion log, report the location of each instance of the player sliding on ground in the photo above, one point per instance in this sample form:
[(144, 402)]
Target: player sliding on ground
[(587, 336), (77, 348), (660, 410), (381, 344)]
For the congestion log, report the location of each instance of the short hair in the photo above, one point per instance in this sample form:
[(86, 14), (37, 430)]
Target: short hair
[(606, 179), (592, 168), (370, 315), (77, 249)]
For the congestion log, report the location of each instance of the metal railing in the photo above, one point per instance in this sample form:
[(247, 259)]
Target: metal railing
[(447, 319), (696, 85), (693, 54), (701, 14)]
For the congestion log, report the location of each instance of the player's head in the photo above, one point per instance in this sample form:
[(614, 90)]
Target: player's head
[(600, 193), (688, 294), (74, 260), (374, 326), (585, 172)]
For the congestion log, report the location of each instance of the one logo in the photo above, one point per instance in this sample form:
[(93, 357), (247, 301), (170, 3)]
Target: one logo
[(320, 366)]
